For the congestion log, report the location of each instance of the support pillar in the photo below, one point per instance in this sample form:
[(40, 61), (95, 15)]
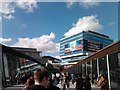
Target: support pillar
[(108, 72), (98, 67)]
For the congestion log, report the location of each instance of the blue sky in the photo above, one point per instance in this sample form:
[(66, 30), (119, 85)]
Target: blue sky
[(41, 25)]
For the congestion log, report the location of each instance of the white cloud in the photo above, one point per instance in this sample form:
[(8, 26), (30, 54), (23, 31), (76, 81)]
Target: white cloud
[(85, 23), (8, 16), (84, 3), (89, 3), (28, 5), (23, 26), (4, 40), (111, 24), (8, 8), (0, 18), (43, 43), (70, 3)]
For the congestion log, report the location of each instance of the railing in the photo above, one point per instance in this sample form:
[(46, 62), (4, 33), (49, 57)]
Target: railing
[(105, 51), (109, 58)]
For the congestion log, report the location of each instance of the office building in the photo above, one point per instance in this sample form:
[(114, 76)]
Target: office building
[(81, 45)]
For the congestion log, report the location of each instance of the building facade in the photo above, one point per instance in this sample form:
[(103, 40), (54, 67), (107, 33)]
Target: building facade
[(104, 62), (81, 45), (15, 62), (95, 57), (25, 64)]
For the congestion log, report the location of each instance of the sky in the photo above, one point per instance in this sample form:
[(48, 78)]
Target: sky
[(41, 25)]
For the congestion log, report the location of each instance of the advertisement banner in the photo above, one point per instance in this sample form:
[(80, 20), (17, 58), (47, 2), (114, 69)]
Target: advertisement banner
[(73, 46)]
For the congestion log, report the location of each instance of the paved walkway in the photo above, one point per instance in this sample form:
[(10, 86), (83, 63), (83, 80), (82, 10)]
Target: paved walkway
[(22, 87), (15, 87), (72, 86)]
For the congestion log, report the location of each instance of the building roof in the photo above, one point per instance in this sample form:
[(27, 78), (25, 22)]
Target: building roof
[(12, 51), (9, 50), (98, 34), (89, 31), (26, 49), (51, 58)]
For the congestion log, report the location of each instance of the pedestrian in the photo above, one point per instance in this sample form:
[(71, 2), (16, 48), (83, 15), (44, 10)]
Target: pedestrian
[(51, 85), (63, 83), (103, 83), (87, 83), (79, 83), (30, 81), (67, 79), (41, 77)]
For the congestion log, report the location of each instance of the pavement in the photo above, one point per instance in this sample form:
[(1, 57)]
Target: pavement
[(22, 87), (15, 87), (72, 86)]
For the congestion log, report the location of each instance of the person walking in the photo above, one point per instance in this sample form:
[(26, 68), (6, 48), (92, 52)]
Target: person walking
[(103, 83), (86, 83), (41, 77), (29, 81), (79, 83), (51, 85)]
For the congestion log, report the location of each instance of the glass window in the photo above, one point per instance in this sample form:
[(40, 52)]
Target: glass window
[(103, 65), (114, 64)]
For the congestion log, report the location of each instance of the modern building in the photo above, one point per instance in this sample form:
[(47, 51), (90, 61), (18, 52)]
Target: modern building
[(25, 64), (81, 45), (16, 61), (106, 62), (28, 65), (94, 54), (33, 52), (52, 64)]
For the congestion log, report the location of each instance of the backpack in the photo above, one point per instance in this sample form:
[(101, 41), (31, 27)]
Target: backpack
[(104, 85)]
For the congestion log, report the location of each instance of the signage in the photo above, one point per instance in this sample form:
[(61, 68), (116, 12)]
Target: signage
[(92, 46), (73, 46)]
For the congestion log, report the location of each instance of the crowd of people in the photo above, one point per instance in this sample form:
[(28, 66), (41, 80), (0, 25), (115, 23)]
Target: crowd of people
[(41, 79)]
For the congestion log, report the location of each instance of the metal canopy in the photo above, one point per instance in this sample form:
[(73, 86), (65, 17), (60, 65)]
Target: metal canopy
[(12, 51)]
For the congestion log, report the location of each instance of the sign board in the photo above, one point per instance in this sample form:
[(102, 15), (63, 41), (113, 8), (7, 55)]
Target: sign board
[(73, 46), (92, 46)]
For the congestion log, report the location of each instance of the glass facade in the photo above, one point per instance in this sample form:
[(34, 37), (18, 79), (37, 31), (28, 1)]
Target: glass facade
[(107, 64), (82, 44), (70, 40), (114, 66), (14, 66)]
